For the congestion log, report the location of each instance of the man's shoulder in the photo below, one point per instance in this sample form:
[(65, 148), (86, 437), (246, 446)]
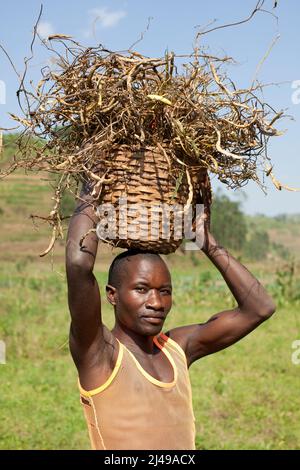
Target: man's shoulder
[(181, 335)]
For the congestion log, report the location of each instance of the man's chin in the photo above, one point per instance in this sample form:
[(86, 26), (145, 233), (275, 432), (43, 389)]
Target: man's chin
[(152, 327)]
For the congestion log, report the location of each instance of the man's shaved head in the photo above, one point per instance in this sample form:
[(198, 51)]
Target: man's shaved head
[(117, 271)]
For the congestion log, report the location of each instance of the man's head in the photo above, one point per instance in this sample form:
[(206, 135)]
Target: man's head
[(139, 287)]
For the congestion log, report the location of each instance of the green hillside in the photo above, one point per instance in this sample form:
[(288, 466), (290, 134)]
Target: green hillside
[(244, 397)]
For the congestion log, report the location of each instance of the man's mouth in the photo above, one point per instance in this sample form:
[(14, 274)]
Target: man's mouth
[(154, 319)]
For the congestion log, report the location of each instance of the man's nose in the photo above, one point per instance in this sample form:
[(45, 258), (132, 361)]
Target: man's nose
[(154, 300)]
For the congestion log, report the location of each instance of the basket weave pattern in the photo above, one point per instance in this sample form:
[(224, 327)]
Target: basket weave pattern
[(150, 178)]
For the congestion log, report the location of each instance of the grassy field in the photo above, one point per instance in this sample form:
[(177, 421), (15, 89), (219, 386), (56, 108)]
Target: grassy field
[(246, 397)]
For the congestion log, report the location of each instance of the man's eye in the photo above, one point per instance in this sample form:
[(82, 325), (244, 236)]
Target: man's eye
[(166, 291), (140, 289)]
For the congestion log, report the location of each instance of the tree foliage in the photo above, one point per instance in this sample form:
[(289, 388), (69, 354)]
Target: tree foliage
[(258, 245), (228, 223)]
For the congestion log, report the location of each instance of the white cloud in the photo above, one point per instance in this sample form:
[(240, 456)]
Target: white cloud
[(52, 63), (45, 29), (106, 17)]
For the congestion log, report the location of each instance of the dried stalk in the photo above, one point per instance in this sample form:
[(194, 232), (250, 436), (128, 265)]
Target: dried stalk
[(97, 100)]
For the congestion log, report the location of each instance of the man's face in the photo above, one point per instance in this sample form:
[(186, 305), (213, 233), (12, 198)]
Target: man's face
[(144, 297)]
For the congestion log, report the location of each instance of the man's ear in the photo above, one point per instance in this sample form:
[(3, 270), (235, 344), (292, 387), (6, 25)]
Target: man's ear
[(111, 293)]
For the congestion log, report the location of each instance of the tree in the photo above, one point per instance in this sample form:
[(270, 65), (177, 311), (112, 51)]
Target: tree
[(228, 222), (258, 245)]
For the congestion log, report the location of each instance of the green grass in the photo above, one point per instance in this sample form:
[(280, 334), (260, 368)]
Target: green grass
[(244, 397)]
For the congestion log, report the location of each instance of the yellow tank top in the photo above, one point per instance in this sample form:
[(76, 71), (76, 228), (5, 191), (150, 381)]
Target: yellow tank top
[(133, 410)]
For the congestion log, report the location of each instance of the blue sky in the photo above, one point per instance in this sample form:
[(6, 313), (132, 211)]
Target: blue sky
[(119, 24)]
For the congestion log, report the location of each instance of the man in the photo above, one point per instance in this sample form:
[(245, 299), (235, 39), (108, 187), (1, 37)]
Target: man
[(133, 380)]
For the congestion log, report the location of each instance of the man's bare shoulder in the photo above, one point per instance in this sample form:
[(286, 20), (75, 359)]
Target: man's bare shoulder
[(181, 335)]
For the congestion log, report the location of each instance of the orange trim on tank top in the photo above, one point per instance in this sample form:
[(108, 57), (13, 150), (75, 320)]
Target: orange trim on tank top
[(172, 342), (90, 393), (150, 377)]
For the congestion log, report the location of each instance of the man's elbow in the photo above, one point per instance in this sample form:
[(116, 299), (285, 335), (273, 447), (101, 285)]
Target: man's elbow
[(268, 310), (78, 260), (263, 311), (79, 264)]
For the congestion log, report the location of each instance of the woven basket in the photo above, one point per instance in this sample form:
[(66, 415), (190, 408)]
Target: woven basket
[(153, 179)]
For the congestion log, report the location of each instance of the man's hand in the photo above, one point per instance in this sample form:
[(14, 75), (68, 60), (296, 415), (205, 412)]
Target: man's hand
[(254, 305), (202, 227)]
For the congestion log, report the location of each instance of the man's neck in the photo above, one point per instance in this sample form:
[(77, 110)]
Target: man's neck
[(133, 341)]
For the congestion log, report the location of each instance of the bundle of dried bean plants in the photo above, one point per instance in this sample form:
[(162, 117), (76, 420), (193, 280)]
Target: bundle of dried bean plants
[(105, 99)]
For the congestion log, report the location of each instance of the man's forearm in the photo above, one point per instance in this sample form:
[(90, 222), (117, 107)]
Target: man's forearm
[(82, 220), (246, 289)]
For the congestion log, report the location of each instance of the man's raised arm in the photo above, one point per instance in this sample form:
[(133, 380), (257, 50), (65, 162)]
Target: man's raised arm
[(254, 306), (83, 290)]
